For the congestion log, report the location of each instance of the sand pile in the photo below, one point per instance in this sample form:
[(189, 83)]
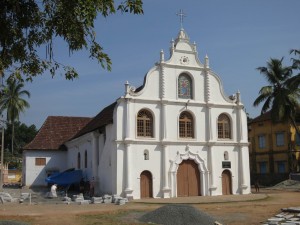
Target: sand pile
[(176, 214)]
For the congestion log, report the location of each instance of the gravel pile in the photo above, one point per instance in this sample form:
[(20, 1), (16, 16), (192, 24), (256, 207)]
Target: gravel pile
[(287, 184), (176, 214)]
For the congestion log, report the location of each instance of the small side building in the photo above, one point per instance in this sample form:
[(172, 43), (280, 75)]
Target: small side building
[(274, 150), (46, 153)]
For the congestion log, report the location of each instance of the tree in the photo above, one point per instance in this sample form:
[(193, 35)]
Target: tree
[(23, 134), (27, 25), (282, 94), (12, 101)]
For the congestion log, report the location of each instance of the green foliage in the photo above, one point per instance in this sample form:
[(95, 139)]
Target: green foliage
[(27, 25), (282, 94), (13, 102), (23, 135), (12, 99)]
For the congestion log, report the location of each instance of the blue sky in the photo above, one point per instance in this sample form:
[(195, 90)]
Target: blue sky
[(238, 36)]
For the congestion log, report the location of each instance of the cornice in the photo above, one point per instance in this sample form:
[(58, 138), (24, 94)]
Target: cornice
[(181, 142)]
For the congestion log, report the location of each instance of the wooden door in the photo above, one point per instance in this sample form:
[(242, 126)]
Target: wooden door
[(226, 183), (146, 184), (188, 179)]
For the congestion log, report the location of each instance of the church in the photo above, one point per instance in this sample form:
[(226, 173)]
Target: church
[(176, 135)]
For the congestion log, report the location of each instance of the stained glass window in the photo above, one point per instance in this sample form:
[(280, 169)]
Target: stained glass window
[(184, 86)]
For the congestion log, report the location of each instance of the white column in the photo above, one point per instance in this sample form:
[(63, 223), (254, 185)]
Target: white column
[(163, 127), (166, 189), (163, 122), (95, 155), (210, 135), (244, 170), (212, 187), (203, 186), (128, 189), (127, 117)]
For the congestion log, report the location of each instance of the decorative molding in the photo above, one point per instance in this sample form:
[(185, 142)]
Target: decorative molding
[(190, 143), (188, 154), (184, 60)]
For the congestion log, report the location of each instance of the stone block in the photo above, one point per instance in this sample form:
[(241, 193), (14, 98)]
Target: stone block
[(5, 197), (97, 200)]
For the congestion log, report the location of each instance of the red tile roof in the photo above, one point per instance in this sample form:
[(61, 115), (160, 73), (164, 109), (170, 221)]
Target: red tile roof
[(55, 131)]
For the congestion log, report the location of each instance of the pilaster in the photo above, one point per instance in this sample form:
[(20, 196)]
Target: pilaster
[(128, 120), (128, 189), (243, 170), (166, 189), (212, 186), (95, 159)]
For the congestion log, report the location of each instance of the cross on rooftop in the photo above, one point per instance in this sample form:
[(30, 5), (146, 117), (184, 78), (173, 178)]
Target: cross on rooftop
[(181, 15)]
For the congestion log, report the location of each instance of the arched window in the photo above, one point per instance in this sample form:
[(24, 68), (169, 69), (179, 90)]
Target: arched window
[(185, 86), (144, 124), (78, 160), (224, 130), (85, 159), (146, 154), (186, 125)]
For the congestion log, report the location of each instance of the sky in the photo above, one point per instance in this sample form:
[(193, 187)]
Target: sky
[(238, 36)]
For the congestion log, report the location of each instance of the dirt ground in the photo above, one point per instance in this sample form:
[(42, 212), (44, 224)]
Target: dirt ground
[(244, 212)]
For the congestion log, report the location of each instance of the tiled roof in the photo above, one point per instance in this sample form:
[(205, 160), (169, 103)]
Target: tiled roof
[(262, 117), (102, 119), (55, 131), (267, 116)]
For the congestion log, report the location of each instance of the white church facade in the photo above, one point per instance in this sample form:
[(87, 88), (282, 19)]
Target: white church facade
[(176, 135)]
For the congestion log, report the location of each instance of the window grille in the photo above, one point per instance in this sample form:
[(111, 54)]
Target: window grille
[(224, 130), (186, 125), (144, 124)]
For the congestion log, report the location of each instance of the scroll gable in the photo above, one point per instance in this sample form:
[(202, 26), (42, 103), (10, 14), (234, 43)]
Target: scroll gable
[(217, 94), (150, 87)]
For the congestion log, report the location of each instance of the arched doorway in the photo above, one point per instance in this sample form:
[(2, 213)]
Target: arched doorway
[(146, 184), (188, 179), (226, 183)]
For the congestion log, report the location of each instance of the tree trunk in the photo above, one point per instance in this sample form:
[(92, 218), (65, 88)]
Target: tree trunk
[(12, 138), (295, 125)]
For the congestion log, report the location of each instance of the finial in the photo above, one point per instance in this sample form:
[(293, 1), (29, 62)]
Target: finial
[(206, 64), (126, 87), (181, 15), (162, 56), (195, 46), (238, 97)]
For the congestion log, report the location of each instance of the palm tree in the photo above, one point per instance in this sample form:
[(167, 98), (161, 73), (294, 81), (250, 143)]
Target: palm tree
[(282, 94), (12, 101)]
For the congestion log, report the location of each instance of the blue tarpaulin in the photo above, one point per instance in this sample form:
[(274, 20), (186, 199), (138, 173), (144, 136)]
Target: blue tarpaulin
[(65, 178)]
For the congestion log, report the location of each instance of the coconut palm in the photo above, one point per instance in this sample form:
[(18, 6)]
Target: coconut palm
[(13, 102), (282, 94)]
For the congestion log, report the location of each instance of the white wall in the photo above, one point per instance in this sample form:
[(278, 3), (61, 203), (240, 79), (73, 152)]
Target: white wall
[(36, 175), (80, 145)]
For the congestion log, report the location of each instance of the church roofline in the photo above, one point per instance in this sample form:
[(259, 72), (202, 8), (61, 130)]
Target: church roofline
[(102, 119)]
